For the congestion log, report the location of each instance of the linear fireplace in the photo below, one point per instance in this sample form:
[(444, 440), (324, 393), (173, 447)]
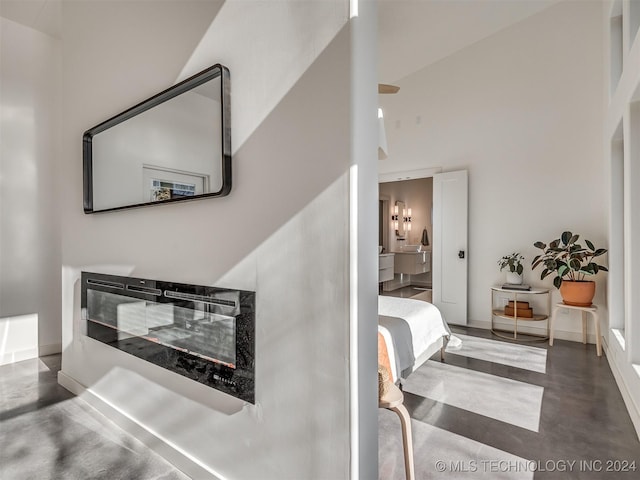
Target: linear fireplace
[(204, 333)]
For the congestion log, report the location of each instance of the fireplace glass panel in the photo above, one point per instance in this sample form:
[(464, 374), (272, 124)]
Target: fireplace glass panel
[(198, 330), (204, 333)]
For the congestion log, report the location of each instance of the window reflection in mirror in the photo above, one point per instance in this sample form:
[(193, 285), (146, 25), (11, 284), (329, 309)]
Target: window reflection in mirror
[(174, 146)]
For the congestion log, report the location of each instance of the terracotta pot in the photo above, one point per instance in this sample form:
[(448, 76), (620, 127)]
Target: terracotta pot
[(578, 293)]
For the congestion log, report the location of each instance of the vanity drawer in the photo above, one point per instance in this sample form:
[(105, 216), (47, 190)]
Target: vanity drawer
[(385, 274), (385, 261), (413, 263)]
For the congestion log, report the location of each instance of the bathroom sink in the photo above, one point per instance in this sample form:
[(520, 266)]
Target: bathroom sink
[(410, 248)]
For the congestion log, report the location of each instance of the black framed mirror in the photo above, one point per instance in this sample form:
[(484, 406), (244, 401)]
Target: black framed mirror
[(174, 146)]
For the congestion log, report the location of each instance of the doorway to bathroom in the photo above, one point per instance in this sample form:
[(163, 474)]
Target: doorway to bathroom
[(423, 225), (408, 206)]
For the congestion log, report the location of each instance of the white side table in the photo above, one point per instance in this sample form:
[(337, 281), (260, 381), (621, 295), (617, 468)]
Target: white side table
[(593, 310), (517, 294)]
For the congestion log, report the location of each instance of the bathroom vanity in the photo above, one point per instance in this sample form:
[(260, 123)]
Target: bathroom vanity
[(412, 263), (386, 263)]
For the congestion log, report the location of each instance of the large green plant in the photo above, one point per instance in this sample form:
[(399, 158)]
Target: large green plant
[(567, 258)]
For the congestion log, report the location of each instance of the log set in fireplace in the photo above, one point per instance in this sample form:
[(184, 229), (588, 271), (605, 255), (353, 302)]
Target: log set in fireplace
[(204, 333)]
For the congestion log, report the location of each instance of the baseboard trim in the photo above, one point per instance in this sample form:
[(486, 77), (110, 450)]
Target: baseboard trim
[(557, 334), (632, 408), (184, 462), (18, 356), (51, 349)]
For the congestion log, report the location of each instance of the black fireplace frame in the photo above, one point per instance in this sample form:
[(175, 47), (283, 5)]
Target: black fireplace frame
[(237, 380)]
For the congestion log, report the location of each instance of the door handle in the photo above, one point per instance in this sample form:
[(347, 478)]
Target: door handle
[(461, 254)]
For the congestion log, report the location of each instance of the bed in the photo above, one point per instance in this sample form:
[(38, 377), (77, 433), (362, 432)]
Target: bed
[(412, 330)]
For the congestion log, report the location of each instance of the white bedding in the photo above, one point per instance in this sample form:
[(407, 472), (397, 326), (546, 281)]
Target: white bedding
[(410, 328)]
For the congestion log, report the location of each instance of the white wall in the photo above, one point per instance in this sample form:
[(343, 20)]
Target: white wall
[(621, 152), (523, 111), (284, 231), (29, 224)]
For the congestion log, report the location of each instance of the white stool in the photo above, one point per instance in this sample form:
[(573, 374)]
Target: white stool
[(593, 310)]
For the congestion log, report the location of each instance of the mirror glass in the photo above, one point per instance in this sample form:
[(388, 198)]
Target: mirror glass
[(173, 146), (401, 212)]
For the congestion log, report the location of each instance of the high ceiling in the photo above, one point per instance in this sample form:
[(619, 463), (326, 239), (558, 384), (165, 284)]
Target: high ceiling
[(41, 15), (413, 34)]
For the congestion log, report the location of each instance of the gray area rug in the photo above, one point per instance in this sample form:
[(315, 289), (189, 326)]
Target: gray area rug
[(510, 401), (520, 356), (442, 454)]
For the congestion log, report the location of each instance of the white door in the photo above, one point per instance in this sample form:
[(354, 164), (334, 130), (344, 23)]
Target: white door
[(450, 213)]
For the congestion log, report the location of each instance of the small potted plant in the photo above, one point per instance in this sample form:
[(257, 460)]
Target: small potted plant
[(513, 264), (571, 263)]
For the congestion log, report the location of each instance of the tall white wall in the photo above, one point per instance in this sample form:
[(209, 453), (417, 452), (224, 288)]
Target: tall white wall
[(284, 231), (29, 224), (621, 19), (523, 111)]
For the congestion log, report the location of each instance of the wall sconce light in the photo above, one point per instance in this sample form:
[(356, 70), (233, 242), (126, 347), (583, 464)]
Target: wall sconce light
[(407, 219), (401, 219), (394, 218)]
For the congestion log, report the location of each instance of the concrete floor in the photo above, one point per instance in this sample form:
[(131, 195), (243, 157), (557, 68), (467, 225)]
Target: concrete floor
[(411, 291), (48, 434), (577, 428), (573, 423)]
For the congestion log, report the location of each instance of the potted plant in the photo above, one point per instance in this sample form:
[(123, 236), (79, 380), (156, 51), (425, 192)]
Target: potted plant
[(513, 264), (571, 263)]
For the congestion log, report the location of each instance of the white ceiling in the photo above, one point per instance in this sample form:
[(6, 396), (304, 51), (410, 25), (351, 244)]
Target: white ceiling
[(42, 15), (413, 34)]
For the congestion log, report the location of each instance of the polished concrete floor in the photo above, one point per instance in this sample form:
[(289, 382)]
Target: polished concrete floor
[(410, 291), (493, 410), (48, 434), (512, 413)]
